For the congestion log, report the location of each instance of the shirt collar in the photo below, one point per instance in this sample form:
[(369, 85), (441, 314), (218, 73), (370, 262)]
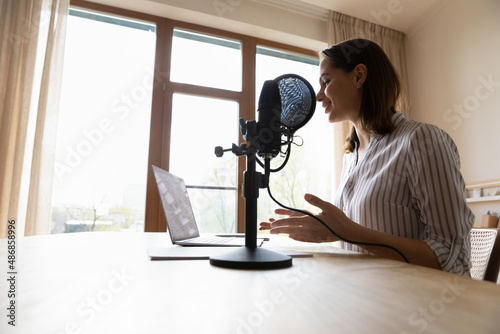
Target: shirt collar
[(396, 120)]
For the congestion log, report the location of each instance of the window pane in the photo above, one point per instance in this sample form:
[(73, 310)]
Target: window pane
[(215, 210), (104, 121), (200, 124), (310, 166), (206, 60)]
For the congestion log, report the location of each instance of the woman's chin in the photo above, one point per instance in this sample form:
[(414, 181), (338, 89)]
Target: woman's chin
[(332, 118)]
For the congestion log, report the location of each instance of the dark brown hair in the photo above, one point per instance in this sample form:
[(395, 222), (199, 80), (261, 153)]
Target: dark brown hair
[(381, 89)]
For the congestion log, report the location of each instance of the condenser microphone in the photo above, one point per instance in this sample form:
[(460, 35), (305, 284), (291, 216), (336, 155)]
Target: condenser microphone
[(269, 120), (285, 105)]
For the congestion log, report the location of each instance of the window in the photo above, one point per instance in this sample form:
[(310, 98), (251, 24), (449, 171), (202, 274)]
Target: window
[(124, 109), (205, 60), (104, 122), (199, 124)]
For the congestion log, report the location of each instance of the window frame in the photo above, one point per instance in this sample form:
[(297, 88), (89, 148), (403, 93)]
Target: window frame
[(164, 90)]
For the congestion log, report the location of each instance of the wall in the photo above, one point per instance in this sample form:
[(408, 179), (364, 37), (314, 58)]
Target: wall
[(454, 75)]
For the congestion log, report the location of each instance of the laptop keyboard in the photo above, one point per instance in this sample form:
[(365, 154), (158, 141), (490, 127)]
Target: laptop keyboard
[(212, 240)]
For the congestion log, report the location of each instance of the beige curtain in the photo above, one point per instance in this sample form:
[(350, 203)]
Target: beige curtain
[(32, 35), (342, 27)]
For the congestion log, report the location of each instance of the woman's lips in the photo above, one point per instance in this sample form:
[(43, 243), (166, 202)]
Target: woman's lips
[(326, 105)]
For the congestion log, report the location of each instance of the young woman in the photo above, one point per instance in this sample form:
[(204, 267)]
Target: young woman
[(401, 184)]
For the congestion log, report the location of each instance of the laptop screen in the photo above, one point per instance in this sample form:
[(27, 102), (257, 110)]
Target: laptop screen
[(181, 223)]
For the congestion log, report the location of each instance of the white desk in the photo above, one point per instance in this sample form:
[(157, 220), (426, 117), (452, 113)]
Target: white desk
[(105, 283)]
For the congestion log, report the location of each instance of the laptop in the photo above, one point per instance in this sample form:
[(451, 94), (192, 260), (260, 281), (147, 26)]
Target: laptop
[(181, 222)]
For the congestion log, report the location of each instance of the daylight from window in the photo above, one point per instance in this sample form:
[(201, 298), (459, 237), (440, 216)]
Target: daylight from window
[(205, 60), (104, 120), (200, 124)]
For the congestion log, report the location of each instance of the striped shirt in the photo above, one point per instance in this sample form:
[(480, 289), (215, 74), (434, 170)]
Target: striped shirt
[(409, 184)]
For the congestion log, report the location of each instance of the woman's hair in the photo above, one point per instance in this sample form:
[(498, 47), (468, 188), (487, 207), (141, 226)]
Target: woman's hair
[(381, 89)]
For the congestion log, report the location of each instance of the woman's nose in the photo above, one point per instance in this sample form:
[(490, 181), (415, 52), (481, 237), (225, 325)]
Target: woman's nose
[(320, 95)]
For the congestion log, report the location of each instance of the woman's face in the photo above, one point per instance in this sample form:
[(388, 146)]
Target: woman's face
[(339, 93)]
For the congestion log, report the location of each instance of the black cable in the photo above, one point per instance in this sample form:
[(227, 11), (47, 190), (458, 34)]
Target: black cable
[(333, 232), (287, 156)]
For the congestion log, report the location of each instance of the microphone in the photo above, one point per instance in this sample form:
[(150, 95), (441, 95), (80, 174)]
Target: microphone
[(269, 125), (285, 105)]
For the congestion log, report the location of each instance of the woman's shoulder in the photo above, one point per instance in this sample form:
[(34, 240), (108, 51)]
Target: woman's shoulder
[(423, 137), (417, 129), (415, 136)]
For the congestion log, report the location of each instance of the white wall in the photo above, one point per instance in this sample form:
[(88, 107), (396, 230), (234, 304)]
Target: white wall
[(454, 75)]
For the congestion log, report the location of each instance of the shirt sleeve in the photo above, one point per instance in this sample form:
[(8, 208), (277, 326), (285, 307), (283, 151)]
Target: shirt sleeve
[(438, 194)]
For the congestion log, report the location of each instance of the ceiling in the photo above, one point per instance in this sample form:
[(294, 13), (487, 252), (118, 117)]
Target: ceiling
[(401, 15), (276, 19)]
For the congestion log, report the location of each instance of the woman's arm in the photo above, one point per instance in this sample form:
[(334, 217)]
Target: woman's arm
[(305, 228), (416, 251), (438, 194)]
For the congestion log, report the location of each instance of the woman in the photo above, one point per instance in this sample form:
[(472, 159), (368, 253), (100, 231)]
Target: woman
[(401, 184)]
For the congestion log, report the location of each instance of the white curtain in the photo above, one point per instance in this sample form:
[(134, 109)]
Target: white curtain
[(32, 35), (342, 27)]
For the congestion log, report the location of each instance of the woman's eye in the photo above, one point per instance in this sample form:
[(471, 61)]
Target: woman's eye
[(326, 82)]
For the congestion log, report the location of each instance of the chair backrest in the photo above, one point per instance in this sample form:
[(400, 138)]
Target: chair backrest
[(485, 253)]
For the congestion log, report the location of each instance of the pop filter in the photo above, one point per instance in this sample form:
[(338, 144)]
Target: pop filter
[(286, 104), (298, 101)]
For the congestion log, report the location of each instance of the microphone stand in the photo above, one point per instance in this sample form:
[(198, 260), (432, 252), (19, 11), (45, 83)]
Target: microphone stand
[(250, 256)]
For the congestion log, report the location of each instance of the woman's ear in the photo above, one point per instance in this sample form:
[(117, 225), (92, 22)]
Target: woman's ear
[(360, 72)]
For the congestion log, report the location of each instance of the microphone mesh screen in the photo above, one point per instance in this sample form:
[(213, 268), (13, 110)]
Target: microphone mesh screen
[(296, 101)]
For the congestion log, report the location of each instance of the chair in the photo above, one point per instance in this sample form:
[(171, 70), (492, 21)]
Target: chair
[(485, 253)]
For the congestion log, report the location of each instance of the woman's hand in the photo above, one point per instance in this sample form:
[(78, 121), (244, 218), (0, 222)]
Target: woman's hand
[(308, 229), (305, 228)]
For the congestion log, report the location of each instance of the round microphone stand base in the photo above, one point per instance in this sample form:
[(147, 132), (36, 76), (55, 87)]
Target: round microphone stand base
[(251, 258)]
